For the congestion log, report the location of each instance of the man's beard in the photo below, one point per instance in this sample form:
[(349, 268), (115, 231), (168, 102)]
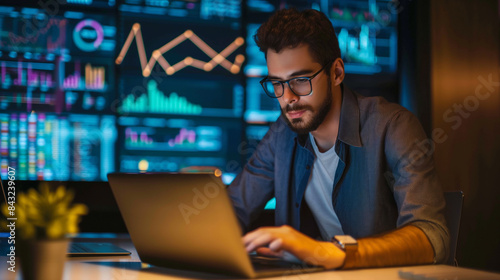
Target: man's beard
[(299, 125)]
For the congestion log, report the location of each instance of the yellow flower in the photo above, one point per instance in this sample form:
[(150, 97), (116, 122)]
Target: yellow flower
[(55, 229), (46, 214)]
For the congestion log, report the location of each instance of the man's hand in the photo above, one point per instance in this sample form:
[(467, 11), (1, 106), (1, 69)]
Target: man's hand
[(286, 238)]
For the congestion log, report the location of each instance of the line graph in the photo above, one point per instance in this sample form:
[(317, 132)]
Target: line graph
[(157, 55), (54, 40)]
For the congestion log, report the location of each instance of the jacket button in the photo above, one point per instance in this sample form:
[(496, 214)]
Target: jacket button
[(308, 167), (297, 204)]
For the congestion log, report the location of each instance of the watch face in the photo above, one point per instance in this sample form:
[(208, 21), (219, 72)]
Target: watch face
[(345, 240)]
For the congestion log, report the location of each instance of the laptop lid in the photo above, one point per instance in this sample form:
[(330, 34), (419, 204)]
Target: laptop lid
[(181, 220)]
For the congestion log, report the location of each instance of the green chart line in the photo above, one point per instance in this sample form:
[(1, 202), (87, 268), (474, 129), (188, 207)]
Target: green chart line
[(155, 101)]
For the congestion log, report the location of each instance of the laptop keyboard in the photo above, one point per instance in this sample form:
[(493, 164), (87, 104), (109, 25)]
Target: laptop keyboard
[(77, 248), (266, 267), (258, 261)]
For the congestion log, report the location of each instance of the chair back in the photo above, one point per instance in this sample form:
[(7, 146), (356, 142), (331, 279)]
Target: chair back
[(452, 214)]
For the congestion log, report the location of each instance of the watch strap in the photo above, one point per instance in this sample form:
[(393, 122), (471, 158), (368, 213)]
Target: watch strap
[(348, 244)]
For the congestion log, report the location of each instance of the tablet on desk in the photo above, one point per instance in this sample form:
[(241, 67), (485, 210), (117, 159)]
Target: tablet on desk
[(82, 249), (90, 249)]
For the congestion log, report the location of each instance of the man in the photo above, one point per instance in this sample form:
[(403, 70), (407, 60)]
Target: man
[(337, 163)]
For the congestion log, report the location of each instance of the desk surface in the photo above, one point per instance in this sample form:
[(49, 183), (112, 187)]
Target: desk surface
[(130, 268)]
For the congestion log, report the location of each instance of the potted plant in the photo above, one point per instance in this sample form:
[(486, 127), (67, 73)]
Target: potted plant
[(45, 221)]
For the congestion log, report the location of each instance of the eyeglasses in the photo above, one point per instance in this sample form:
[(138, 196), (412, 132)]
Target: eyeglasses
[(301, 86)]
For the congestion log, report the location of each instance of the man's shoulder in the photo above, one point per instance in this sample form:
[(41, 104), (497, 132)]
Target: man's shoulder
[(279, 132), (378, 109)]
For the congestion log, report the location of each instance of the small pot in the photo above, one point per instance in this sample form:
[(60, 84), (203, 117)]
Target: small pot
[(42, 259)]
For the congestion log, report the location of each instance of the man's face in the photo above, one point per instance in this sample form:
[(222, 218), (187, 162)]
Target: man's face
[(303, 113)]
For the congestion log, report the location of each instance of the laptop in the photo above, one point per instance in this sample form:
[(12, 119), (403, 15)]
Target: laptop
[(186, 221)]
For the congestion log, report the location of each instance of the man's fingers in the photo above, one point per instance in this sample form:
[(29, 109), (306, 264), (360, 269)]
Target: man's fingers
[(276, 244), (249, 237), (259, 241), (268, 252)]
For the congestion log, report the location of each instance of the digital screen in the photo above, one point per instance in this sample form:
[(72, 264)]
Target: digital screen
[(208, 11), (181, 93), (366, 31), (160, 144), (62, 66), (263, 6), (29, 82), (182, 49), (32, 30), (89, 87), (260, 107), (57, 84), (256, 65), (101, 4), (205, 98), (44, 146)]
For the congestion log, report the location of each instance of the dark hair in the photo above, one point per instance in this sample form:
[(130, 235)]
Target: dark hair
[(288, 28)]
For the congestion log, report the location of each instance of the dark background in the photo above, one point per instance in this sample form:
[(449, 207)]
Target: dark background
[(447, 49)]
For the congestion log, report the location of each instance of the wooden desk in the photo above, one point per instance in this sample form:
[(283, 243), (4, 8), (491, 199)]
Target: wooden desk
[(130, 268)]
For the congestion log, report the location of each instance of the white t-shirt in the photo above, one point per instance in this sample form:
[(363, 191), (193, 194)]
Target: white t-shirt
[(319, 190)]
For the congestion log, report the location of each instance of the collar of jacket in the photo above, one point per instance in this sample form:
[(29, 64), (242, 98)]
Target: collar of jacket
[(349, 121)]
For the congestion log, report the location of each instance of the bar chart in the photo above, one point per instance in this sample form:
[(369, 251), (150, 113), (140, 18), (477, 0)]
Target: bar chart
[(191, 139), (23, 74), (155, 101), (94, 78)]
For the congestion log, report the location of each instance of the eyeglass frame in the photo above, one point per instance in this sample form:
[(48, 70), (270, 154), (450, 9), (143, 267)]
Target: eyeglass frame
[(288, 83)]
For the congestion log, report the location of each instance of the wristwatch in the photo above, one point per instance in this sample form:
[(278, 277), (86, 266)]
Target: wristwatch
[(346, 243)]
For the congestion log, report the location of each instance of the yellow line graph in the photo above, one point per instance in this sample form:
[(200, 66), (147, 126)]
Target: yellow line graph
[(157, 55)]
